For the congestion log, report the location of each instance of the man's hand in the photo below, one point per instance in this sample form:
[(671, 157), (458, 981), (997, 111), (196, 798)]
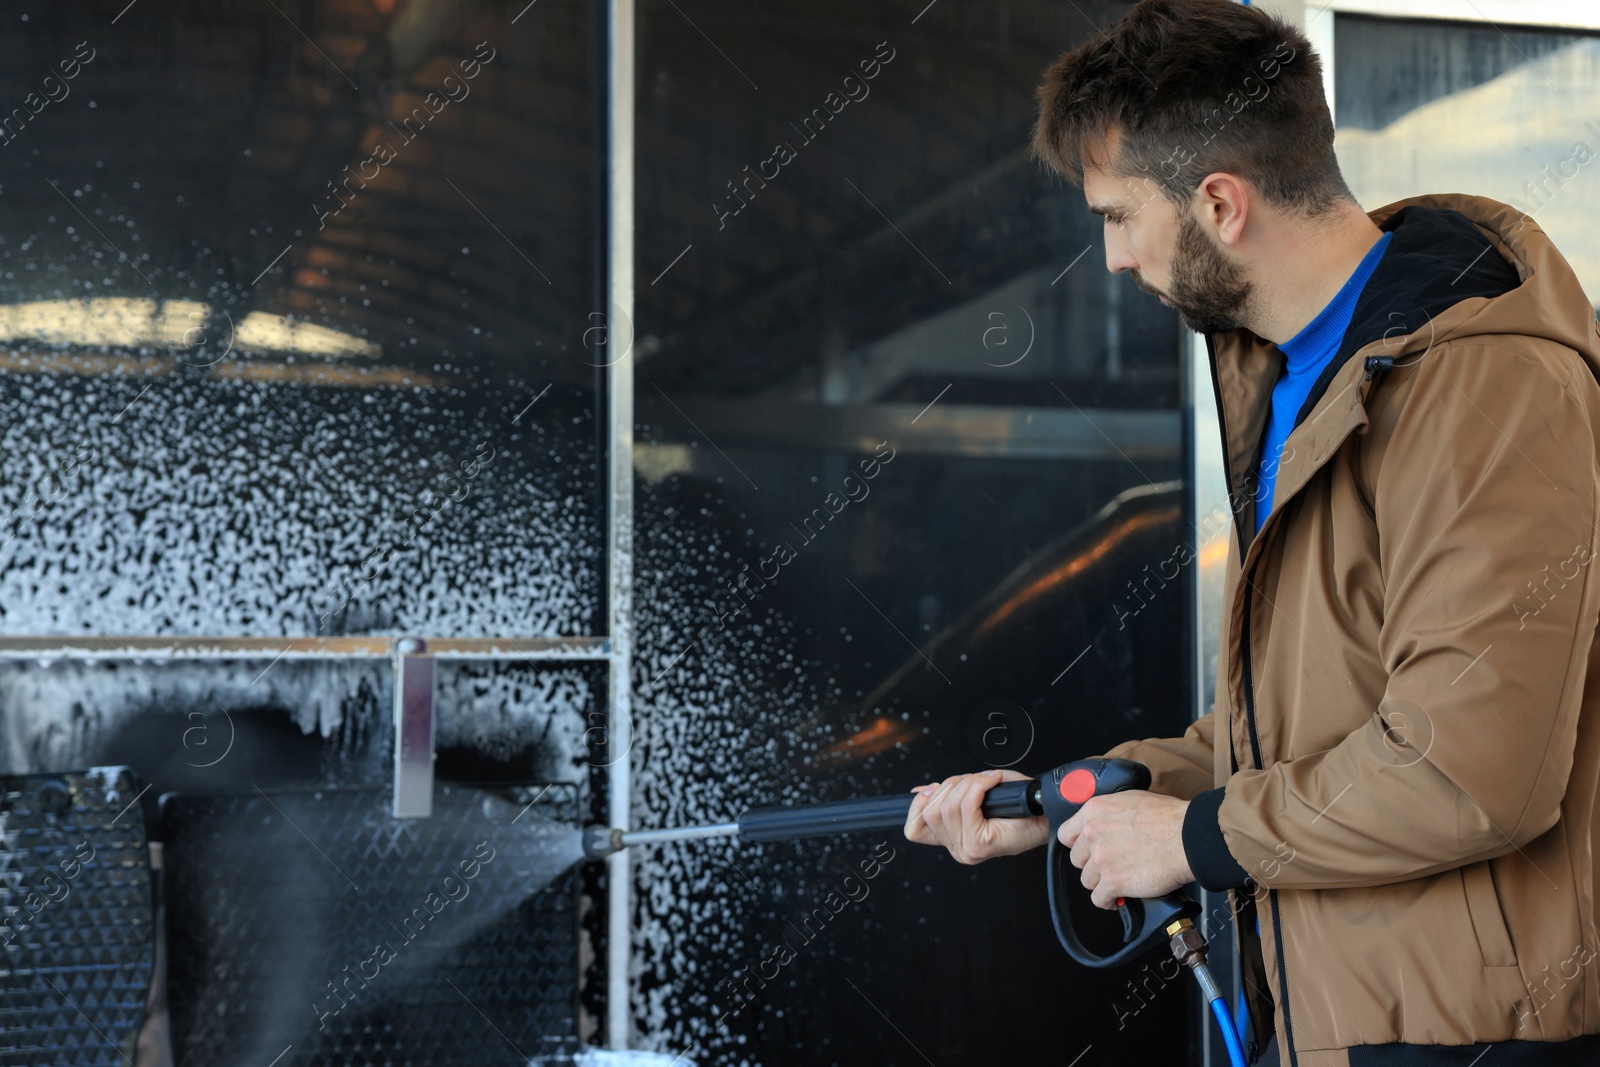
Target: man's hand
[(1128, 844), (950, 813)]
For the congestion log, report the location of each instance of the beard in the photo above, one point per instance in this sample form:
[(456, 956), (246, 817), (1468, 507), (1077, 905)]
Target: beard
[(1209, 290)]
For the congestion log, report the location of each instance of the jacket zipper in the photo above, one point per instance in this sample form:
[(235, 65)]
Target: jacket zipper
[(1249, 677), (1250, 700), (1287, 1040)]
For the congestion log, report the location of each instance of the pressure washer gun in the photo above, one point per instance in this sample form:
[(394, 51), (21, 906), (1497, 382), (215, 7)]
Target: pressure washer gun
[(1057, 795), (1144, 922)]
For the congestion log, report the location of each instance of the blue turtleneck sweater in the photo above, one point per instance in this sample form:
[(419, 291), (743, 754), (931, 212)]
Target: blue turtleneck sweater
[(1307, 352)]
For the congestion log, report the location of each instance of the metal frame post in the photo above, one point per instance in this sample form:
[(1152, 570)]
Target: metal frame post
[(412, 788), (619, 490)]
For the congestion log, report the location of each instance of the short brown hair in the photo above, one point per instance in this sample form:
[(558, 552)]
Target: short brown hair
[(1195, 87)]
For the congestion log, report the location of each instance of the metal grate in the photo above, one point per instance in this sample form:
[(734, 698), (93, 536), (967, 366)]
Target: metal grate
[(312, 929), (77, 939)]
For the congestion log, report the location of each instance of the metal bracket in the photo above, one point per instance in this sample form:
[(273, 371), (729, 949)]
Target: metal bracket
[(413, 729)]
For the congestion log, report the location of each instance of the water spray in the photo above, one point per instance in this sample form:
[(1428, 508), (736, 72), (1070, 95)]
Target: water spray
[(1146, 924)]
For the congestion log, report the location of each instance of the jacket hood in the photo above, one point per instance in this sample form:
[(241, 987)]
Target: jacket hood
[(1528, 287), (1458, 266), (1436, 258)]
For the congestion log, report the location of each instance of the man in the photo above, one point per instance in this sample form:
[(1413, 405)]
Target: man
[(1398, 780)]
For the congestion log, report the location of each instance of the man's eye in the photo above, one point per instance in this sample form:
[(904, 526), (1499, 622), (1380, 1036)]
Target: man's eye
[(1115, 220)]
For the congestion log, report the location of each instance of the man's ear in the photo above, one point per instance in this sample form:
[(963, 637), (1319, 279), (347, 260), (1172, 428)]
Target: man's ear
[(1224, 202)]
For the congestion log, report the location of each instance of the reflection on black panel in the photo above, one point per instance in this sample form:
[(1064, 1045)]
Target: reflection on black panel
[(910, 504)]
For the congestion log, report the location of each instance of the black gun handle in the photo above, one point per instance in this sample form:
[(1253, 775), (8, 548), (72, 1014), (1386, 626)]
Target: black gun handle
[(1065, 790), (1144, 922)]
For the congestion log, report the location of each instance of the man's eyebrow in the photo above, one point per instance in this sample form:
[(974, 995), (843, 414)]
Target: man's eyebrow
[(1105, 209)]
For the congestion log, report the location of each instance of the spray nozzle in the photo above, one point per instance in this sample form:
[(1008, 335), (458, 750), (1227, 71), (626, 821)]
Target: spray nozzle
[(601, 841)]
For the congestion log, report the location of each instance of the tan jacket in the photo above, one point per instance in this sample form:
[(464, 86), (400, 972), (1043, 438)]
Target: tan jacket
[(1408, 691)]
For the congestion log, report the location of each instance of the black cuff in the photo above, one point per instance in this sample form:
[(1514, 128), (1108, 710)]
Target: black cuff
[(1213, 865)]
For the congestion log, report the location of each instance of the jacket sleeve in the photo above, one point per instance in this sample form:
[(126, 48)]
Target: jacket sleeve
[(1485, 503), (1179, 766)]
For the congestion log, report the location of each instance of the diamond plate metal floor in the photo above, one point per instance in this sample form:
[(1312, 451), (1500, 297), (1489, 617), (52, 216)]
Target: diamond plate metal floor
[(311, 929), (77, 939)]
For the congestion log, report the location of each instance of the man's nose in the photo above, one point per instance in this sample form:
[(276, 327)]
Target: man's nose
[(1119, 259)]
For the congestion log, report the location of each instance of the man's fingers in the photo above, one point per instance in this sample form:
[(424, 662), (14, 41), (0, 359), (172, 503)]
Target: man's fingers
[(915, 826), (1102, 889), (949, 830), (947, 809), (978, 786), (940, 804), (979, 837), (1074, 827), (956, 809), (1108, 886)]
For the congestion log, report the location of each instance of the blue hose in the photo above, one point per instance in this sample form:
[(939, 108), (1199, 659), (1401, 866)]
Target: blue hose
[(1230, 1035)]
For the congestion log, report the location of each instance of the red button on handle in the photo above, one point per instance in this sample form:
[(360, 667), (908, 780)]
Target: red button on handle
[(1078, 785)]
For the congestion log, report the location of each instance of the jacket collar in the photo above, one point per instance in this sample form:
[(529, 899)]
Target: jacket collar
[(1457, 265)]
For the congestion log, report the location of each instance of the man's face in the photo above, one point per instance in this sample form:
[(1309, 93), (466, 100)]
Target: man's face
[(1167, 253)]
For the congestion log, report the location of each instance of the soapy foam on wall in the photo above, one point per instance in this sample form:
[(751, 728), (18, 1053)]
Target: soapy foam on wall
[(202, 724), (188, 505), (63, 715), (502, 709), (723, 727)]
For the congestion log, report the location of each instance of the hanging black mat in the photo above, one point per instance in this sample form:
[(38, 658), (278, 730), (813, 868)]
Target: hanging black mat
[(312, 929), (77, 918)]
